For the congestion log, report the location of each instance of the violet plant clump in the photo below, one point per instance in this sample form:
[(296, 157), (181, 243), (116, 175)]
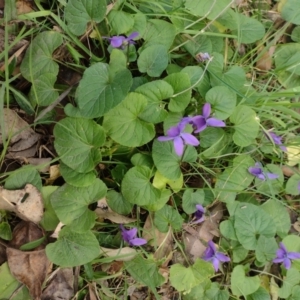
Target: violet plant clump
[(258, 172), (130, 236), (285, 257), (211, 254)]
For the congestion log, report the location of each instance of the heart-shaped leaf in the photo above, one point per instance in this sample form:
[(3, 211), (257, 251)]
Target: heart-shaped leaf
[(77, 142), (124, 125)]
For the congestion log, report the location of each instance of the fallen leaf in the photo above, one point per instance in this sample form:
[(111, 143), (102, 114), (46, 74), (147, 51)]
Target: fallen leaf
[(30, 267), (193, 246), (60, 285), (19, 133), (93, 294), (54, 173), (289, 171), (124, 254), (103, 211), (208, 229), (23, 7), (26, 203), (58, 228), (265, 61), (3, 257)]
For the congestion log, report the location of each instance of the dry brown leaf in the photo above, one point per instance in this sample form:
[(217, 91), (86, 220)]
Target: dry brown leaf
[(23, 154), (265, 61), (57, 230), (3, 257), (17, 131), (210, 227), (124, 254), (296, 226), (193, 246), (103, 211), (23, 7), (54, 173), (60, 286), (28, 267), (289, 171), (26, 203)]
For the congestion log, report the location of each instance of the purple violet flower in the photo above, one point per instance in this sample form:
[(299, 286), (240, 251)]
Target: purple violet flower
[(211, 254), (129, 236), (201, 122), (180, 138), (258, 172), (298, 186), (199, 214), (119, 41), (276, 139), (284, 256), (201, 57)]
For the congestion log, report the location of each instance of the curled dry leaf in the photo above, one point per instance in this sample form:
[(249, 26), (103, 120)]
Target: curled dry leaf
[(289, 171), (193, 246), (57, 230), (26, 203), (103, 211), (265, 60), (29, 267), (54, 173), (21, 136), (60, 285), (124, 254), (93, 293)]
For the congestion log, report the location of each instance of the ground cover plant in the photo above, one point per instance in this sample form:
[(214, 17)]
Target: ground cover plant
[(150, 149)]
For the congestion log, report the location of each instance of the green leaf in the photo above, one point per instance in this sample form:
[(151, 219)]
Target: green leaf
[(79, 13), (75, 178), (291, 11), (39, 68), (5, 231), (153, 60), (118, 203), (223, 101), (191, 198), (246, 126), (279, 215), (8, 282), (210, 136), (120, 21), (181, 85), (159, 32), (273, 186), (241, 285), (260, 294), (155, 92), (167, 216), (137, 188), (167, 161), (49, 220), (140, 159), (287, 57), (206, 8), (214, 292), (266, 249), (77, 142), (159, 202), (295, 293), (251, 222), (98, 91), (38, 58), (161, 181), (124, 125), (73, 248), (292, 185), (248, 30), (227, 229), (145, 271), (20, 177), (117, 62), (184, 279), (71, 204), (234, 179), (292, 278)]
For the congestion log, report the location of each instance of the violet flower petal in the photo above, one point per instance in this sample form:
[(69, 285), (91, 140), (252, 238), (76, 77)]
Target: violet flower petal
[(298, 186), (287, 263), (190, 139), (173, 131), (293, 255), (206, 110), (117, 41), (200, 123), (255, 171), (137, 242), (178, 146), (276, 138), (215, 122), (215, 263), (272, 176), (199, 207), (133, 35), (222, 257), (165, 138)]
